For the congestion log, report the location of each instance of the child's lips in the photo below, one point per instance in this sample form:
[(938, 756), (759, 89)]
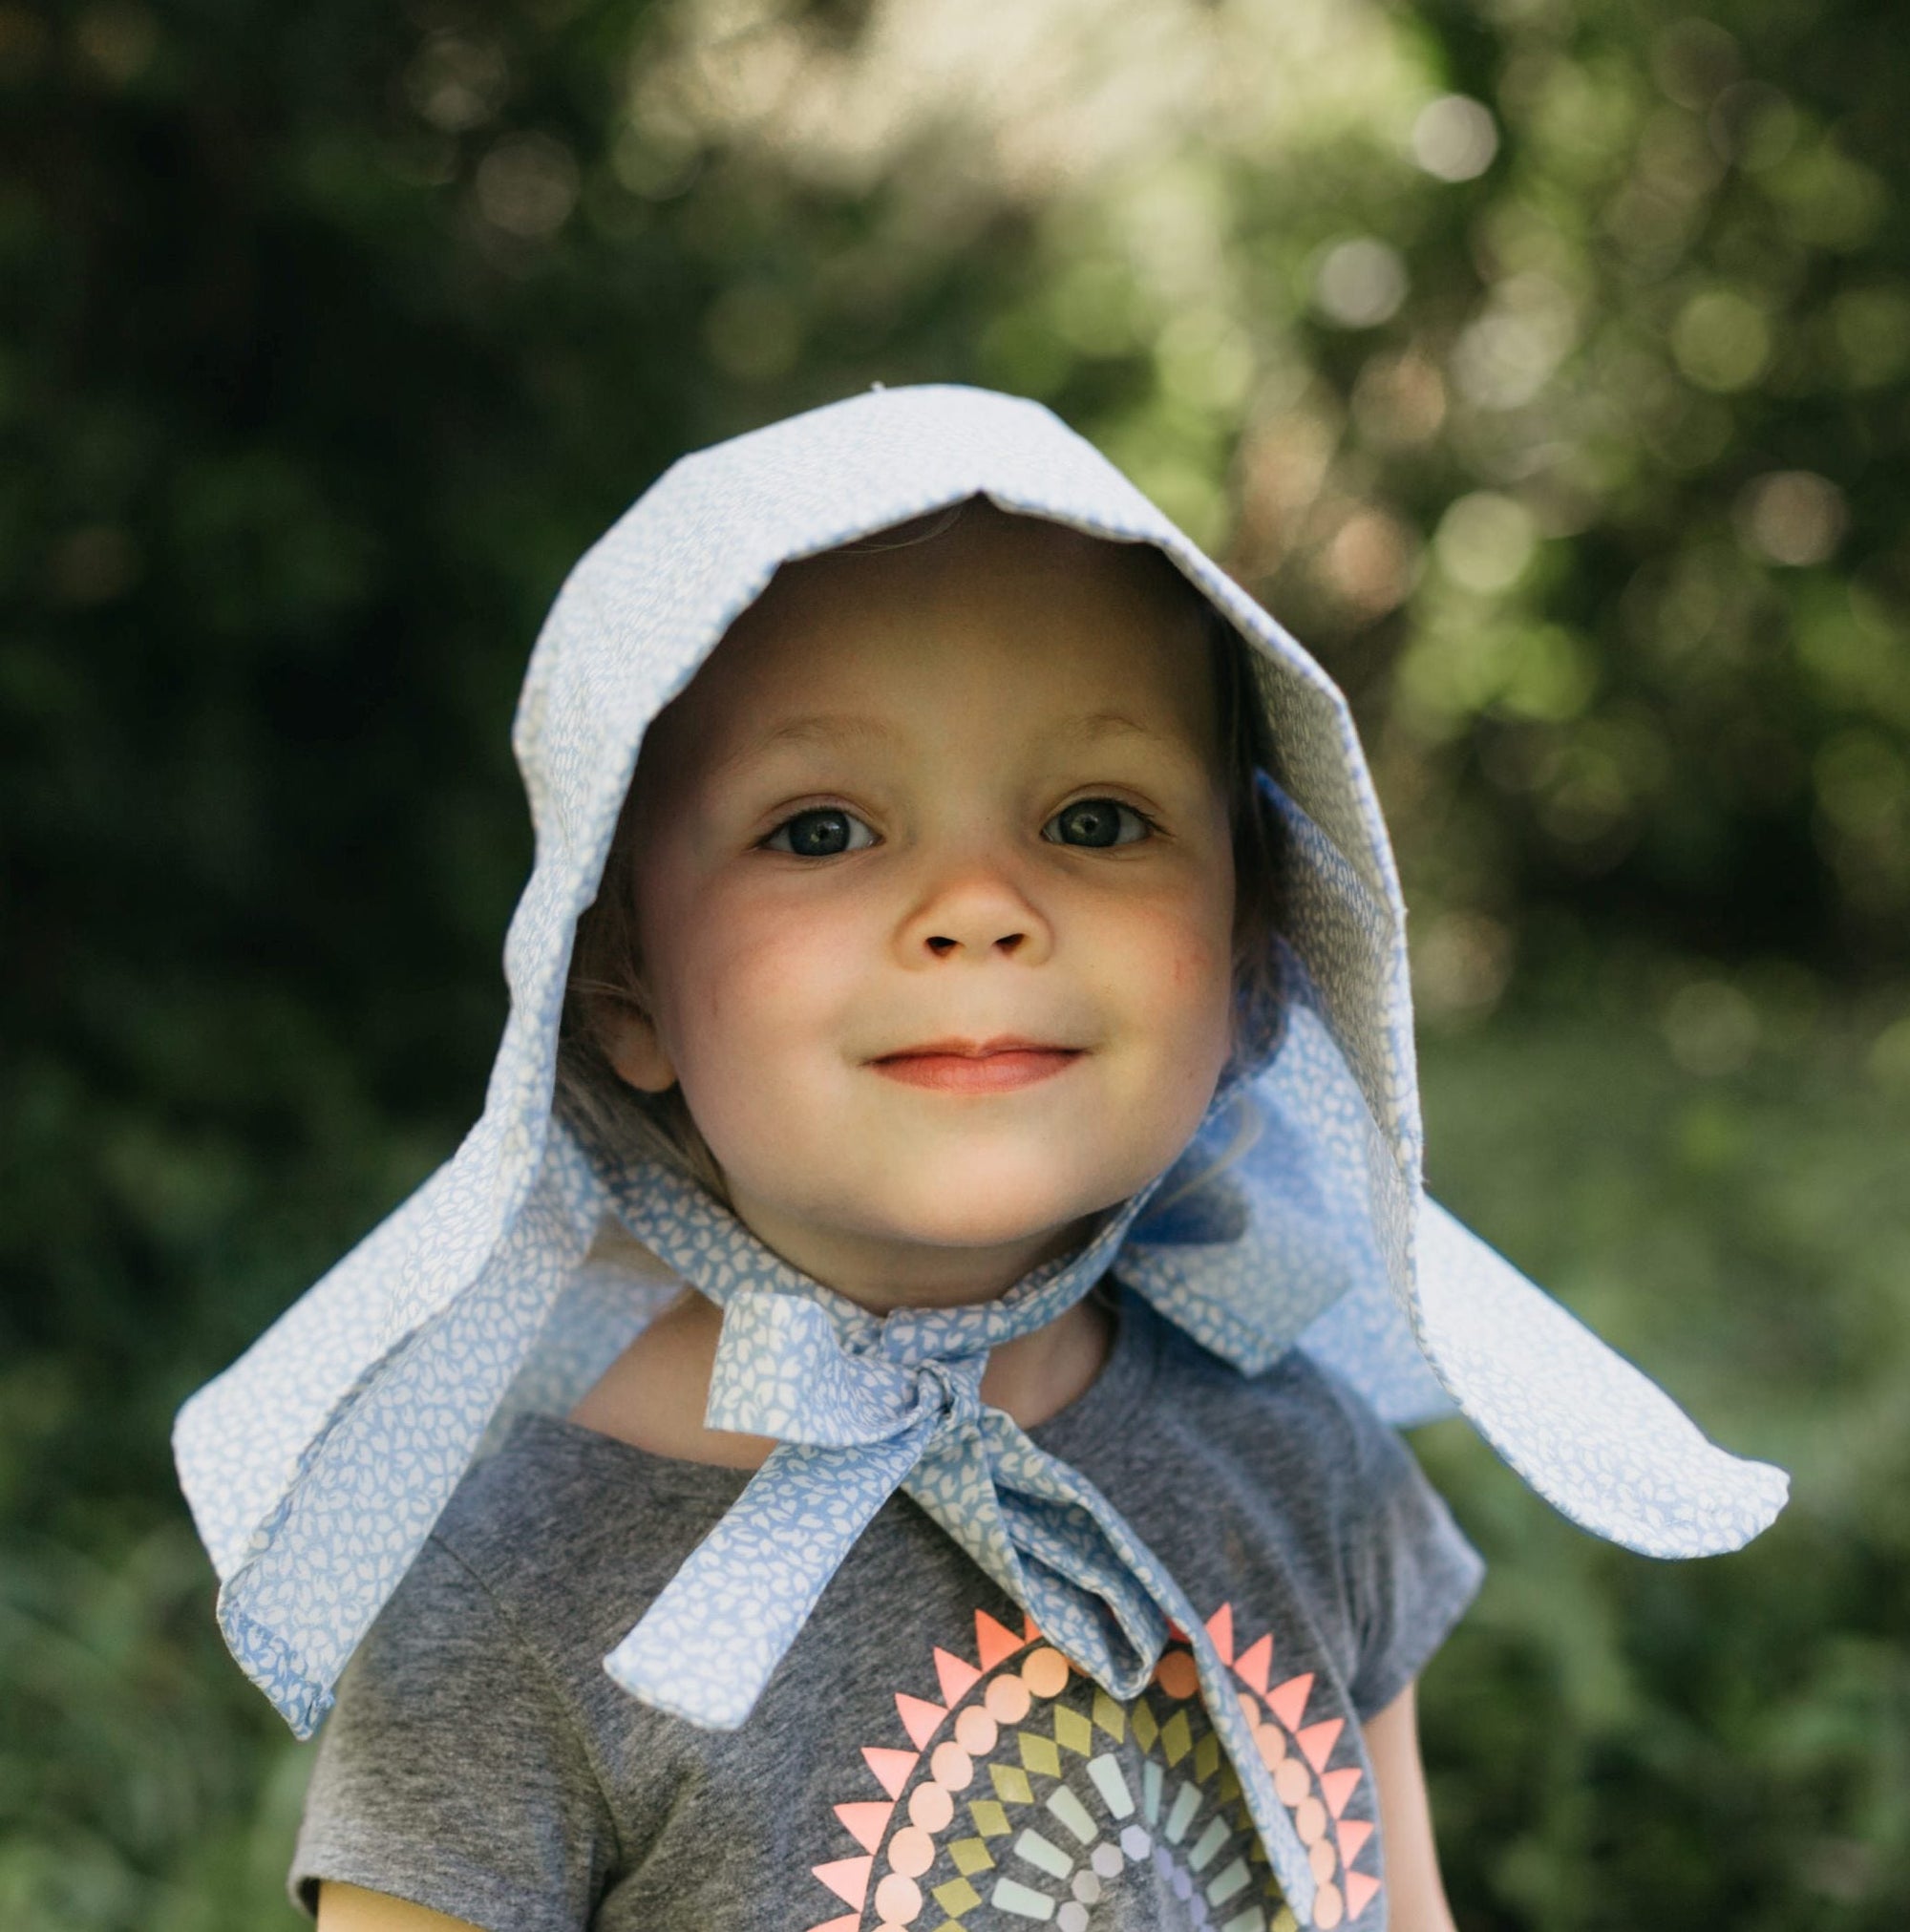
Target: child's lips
[(986, 1066)]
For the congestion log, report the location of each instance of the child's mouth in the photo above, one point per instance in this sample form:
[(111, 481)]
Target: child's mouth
[(989, 1067)]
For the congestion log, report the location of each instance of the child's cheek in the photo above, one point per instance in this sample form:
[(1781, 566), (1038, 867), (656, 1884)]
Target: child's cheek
[(1193, 968), (1186, 943), (762, 964), (1196, 988)]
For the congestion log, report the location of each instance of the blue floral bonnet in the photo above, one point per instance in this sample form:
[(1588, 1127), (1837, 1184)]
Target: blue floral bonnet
[(317, 1463)]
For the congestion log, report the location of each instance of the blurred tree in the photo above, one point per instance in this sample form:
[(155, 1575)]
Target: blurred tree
[(1547, 363)]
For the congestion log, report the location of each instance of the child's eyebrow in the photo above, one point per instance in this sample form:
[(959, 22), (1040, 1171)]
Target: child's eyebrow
[(832, 728), (1110, 724), (841, 727), (822, 728)]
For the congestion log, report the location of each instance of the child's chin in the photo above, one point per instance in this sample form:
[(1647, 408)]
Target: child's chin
[(979, 1212)]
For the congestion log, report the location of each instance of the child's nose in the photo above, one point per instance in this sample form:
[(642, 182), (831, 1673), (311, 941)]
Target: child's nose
[(944, 943), (977, 914)]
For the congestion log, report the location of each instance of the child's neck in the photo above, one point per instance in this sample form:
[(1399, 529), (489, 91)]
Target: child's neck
[(653, 1395)]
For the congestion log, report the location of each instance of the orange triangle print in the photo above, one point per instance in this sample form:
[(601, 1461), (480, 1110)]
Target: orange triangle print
[(1318, 1740), (992, 1640), (920, 1718), (958, 1678), (1220, 1627), (890, 1766), (1339, 1786), (866, 1822), (1030, 1630), (851, 1924), (1253, 1664), (1360, 1890), (1354, 1836), (848, 1879), (1289, 1703)]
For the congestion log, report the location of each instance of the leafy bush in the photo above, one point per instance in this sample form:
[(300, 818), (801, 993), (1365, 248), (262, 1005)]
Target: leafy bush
[(1545, 363)]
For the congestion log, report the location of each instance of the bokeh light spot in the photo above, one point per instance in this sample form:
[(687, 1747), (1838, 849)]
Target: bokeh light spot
[(1371, 563), (1455, 137), (1359, 283), (1791, 517), (527, 185), (1752, 125), (1485, 540), (456, 83), (1871, 328), (1712, 1027), (1461, 964), (1722, 340)]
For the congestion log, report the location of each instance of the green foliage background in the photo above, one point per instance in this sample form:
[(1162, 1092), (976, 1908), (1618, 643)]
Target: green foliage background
[(1571, 435)]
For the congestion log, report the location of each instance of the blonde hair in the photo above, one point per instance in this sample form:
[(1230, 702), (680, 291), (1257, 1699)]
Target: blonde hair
[(625, 1123)]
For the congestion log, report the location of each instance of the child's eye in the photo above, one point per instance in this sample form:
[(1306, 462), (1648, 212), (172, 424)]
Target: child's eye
[(820, 833), (1098, 821)]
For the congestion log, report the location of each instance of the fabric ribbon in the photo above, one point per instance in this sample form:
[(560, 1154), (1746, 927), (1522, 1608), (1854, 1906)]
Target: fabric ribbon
[(861, 1406)]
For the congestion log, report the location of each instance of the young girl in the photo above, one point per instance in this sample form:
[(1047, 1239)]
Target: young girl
[(884, 1420)]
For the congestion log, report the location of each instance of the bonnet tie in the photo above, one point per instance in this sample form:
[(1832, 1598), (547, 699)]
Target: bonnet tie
[(861, 1406)]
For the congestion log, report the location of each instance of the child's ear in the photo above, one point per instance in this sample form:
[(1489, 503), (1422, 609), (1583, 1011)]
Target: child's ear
[(633, 1048)]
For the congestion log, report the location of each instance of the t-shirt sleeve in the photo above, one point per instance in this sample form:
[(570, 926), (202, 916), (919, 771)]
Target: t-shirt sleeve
[(1411, 1570), (450, 1773)]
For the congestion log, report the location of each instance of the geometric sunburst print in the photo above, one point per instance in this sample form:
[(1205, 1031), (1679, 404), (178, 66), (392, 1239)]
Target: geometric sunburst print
[(1022, 1793)]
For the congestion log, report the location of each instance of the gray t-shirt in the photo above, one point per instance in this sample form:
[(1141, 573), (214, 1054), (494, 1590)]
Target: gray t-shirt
[(920, 1758)]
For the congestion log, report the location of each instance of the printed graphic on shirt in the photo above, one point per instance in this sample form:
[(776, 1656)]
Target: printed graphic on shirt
[(1024, 1794)]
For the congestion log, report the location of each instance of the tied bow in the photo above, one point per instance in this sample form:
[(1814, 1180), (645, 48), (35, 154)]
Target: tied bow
[(861, 1406)]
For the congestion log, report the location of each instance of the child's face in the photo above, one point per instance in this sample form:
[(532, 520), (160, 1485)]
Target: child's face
[(962, 791)]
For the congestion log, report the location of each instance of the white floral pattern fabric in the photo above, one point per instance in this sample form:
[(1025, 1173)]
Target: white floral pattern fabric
[(316, 1464)]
